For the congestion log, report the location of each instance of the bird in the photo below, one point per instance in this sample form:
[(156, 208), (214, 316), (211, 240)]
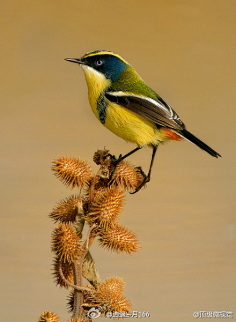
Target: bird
[(129, 108)]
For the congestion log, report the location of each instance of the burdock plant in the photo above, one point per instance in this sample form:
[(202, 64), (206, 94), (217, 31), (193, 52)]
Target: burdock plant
[(99, 204)]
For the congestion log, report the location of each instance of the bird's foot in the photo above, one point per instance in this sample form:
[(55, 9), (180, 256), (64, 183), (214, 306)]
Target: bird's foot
[(115, 163), (146, 179)]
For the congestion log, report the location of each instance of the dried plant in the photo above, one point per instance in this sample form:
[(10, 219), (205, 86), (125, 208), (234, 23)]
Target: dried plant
[(67, 271), (66, 210), (88, 298), (70, 301), (127, 177), (48, 316), (105, 209), (65, 243), (119, 239), (109, 295), (71, 171), (99, 204), (100, 157), (115, 284)]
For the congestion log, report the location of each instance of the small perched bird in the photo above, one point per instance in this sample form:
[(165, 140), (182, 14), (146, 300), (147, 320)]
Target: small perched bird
[(129, 108)]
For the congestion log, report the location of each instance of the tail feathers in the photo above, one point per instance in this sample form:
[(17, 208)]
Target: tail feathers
[(190, 137)]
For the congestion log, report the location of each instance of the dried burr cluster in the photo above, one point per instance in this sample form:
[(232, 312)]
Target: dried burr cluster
[(99, 203)]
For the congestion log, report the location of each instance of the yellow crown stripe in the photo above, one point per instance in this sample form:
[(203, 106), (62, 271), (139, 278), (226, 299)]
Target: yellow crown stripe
[(103, 52)]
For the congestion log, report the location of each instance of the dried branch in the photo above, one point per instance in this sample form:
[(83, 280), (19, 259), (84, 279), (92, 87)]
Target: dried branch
[(78, 288)]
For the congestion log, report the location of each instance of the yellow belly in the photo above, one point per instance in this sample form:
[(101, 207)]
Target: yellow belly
[(126, 124), (131, 127)]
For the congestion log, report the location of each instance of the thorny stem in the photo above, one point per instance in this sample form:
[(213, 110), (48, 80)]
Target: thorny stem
[(77, 266), (84, 263), (78, 288), (88, 240), (78, 295), (77, 270), (91, 191)]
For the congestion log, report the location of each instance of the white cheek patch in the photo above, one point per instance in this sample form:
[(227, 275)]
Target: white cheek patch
[(96, 81), (91, 72)]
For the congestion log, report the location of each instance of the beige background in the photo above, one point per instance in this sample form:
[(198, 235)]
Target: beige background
[(185, 219)]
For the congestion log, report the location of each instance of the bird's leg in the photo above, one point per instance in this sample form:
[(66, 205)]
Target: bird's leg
[(115, 161), (147, 177)]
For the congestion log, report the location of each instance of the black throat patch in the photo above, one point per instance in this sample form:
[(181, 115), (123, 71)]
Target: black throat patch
[(102, 108)]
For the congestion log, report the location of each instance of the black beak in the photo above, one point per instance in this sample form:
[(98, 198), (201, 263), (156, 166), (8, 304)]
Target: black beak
[(75, 60)]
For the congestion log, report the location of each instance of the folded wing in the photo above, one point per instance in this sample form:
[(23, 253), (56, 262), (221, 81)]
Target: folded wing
[(157, 111)]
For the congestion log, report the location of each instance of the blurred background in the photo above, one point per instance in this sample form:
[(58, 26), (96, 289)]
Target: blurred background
[(185, 218)]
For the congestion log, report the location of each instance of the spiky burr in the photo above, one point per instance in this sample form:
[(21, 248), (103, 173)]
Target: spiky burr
[(66, 243), (119, 239), (105, 209), (71, 171), (48, 316), (67, 271), (66, 210)]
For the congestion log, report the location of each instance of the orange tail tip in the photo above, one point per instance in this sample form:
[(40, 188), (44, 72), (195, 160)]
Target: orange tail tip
[(171, 135)]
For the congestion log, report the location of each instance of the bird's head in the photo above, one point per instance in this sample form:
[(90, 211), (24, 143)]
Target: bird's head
[(100, 64)]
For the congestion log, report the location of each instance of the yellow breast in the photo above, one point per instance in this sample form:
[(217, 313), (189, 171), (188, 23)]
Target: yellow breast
[(126, 124), (131, 127), (96, 83)]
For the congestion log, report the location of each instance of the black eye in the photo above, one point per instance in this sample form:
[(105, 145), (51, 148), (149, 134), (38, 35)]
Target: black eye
[(99, 62)]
